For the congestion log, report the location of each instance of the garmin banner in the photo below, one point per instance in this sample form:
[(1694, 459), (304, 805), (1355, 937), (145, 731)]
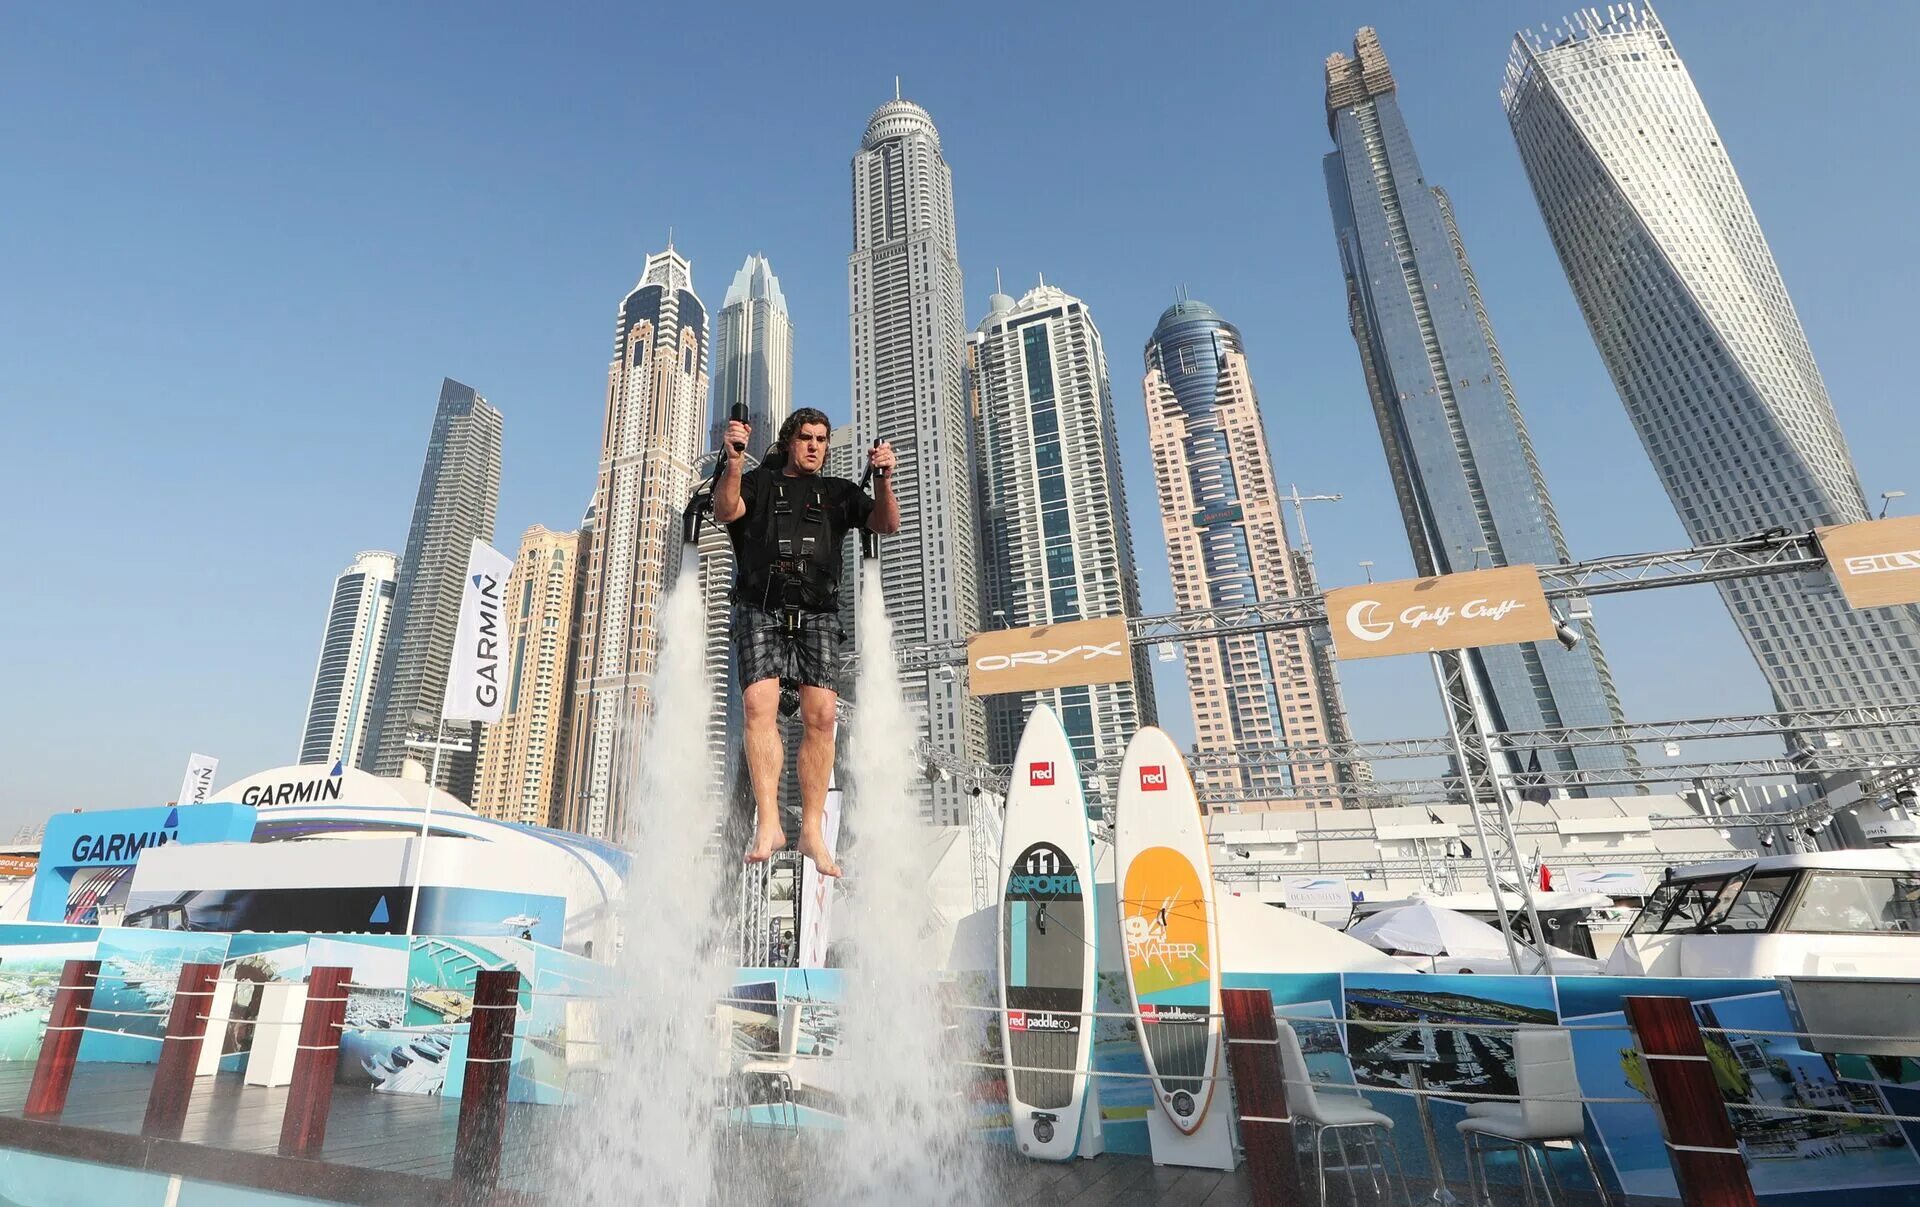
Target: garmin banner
[(196, 787), (475, 680), (1451, 612), (1074, 654), (1876, 563)]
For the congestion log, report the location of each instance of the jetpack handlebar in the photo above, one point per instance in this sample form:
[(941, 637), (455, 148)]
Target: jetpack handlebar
[(870, 541), (701, 504)]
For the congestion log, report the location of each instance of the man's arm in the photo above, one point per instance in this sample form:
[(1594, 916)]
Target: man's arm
[(885, 518), (728, 506)]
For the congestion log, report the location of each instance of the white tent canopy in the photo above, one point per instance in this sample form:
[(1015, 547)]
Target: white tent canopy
[(1429, 930)]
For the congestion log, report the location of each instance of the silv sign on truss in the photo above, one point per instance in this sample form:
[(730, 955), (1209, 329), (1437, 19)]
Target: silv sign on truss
[(1876, 563), (1074, 654), (1450, 612)]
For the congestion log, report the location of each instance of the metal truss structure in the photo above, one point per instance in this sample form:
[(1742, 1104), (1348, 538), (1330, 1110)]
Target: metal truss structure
[(1776, 552)]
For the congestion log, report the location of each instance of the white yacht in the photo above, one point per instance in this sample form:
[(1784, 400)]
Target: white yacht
[(1828, 913)]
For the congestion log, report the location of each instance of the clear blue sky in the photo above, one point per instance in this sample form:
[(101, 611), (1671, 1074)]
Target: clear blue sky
[(241, 244)]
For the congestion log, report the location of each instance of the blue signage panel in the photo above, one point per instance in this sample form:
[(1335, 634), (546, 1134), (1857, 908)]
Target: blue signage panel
[(114, 838)]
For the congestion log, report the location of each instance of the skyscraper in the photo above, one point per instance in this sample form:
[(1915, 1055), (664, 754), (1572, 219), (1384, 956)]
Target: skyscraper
[(753, 367), (656, 419), (753, 355), (1470, 489), (1056, 545), (522, 754), (459, 490), (1227, 544), (1687, 307), (349, 667), (908, 328)]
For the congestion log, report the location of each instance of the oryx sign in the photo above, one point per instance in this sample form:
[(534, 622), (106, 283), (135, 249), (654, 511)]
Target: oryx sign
[(1061, 655)]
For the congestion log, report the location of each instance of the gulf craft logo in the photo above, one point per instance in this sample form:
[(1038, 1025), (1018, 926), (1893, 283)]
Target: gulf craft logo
[(1040, 775), (1153, 779), (1363, 617)]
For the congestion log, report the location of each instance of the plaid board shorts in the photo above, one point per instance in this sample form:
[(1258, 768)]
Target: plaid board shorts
[(807, 652)]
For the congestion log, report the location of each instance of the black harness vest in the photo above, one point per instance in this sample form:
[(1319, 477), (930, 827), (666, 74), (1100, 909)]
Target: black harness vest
[(790, 561)]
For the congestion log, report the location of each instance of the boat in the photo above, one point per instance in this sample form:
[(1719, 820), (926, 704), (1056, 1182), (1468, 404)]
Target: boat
[(1824, 913)]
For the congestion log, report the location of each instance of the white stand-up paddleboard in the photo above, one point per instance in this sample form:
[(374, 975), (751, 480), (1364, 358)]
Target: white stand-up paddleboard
[(1048, 961), (1170, 935)]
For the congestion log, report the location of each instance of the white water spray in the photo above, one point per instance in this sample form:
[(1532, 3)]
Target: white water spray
[(906, 1136), (647, 1134)]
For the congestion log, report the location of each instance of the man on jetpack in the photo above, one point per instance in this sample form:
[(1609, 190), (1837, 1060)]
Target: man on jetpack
[(788, 521)]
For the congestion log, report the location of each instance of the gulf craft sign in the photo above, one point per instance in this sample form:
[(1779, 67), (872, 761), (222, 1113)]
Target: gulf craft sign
[(1448, 612)]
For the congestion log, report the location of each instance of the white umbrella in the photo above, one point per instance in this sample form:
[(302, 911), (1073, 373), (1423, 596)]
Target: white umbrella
[(1429, 930)]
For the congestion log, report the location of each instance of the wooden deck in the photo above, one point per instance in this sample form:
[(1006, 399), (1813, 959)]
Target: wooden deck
[(398, 1148)]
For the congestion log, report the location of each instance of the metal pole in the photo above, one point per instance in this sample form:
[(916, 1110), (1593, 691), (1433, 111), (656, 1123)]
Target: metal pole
[(426, 817), (1473, 793), (1502, 794)]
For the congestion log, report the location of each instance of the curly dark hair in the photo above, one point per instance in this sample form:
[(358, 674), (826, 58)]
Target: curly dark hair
[(795, 421)]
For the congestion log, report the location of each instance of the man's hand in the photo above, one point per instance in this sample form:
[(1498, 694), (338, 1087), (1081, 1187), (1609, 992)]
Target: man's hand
[(881, 457), (728, 506)]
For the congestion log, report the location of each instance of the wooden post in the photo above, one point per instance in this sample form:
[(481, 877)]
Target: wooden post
[(180, 1051), (483, 1095), (303, 1128), (1259, 1083), (60, 1046), (1701, 1145)]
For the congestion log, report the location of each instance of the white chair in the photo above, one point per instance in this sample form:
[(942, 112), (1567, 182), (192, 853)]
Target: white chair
[(1337, 1112), (780, 1067), (1549, 1110)]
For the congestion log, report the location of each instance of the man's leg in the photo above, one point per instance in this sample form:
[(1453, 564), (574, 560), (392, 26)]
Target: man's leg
[(765, 757), (816, 768)]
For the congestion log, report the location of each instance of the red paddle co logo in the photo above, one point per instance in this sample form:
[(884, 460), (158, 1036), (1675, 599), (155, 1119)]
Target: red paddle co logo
[(1035, 1020), (1153, 779), (1040, 775)]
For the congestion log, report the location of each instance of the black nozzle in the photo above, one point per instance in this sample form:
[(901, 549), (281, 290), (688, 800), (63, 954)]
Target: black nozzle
[(739, 414), (867, 477)]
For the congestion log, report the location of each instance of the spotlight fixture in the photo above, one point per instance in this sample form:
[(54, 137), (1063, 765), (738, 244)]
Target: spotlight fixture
[(1564, 630)]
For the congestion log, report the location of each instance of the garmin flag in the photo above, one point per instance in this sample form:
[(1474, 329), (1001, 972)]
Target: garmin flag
[(197, 785), (478, 670)]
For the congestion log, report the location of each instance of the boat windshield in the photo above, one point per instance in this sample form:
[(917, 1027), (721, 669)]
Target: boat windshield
[(1719, 905), (1858, 903)]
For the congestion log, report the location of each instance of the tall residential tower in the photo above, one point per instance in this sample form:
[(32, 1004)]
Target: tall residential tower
[(459, 491), (908, 330), (523, 755), (1470, 489), (1227, 544), (656, 421), (1688, 309), (1056, 545), (753, 355), (349, 666)]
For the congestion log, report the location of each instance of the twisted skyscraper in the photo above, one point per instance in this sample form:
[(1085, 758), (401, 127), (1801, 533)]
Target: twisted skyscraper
[(907, 324), (1470, 489), (1688, 309)]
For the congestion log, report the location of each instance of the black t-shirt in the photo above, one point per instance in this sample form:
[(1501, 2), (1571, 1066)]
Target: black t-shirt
[(847, 506)]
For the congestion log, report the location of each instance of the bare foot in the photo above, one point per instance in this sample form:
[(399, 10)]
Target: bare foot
[(767, 840), (814, 846)]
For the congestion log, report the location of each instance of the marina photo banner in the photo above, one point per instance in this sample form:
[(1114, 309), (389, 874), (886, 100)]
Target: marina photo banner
[(1876, 563), (475, 682), (1074, 654), (1450, 612)]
